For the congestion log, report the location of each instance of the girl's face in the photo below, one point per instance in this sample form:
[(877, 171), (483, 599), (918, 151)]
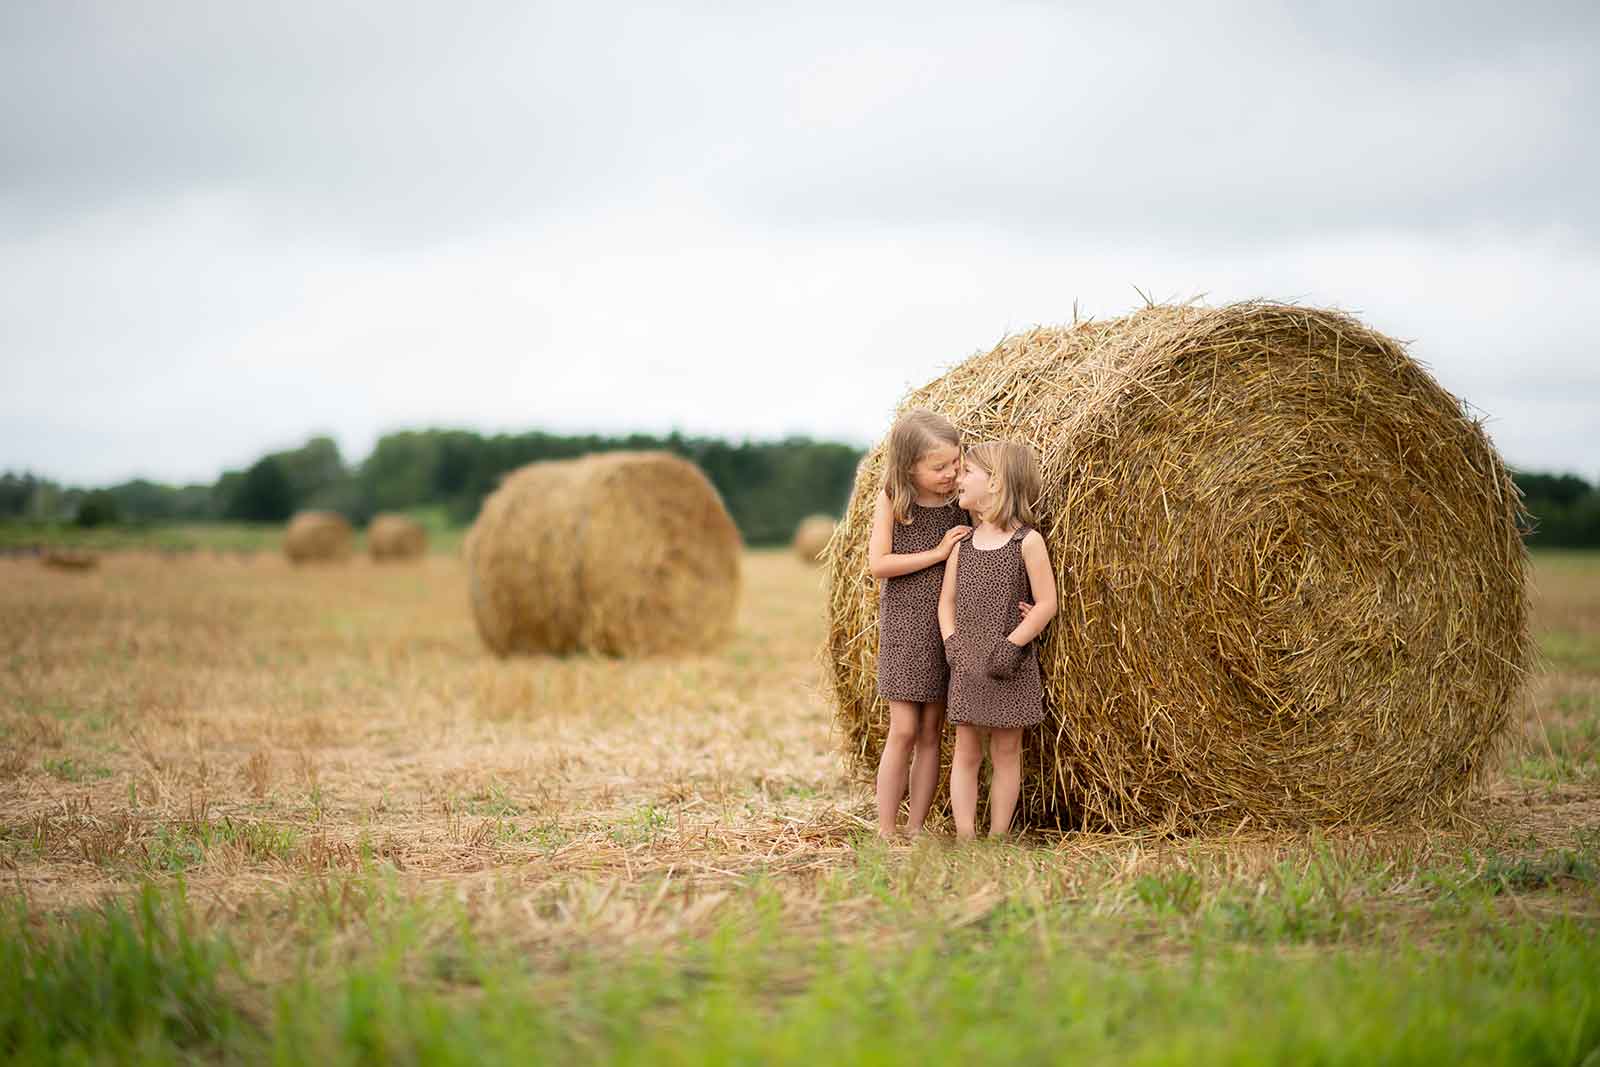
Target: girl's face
[(935, 473), (977, 491)]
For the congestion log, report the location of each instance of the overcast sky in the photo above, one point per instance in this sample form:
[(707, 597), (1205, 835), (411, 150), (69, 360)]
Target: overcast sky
[(227, 226)]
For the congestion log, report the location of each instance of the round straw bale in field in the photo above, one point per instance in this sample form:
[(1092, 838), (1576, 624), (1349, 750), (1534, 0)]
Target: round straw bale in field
[(396, 537), (1289, 564), (811, 537), (317, 536), (621, 553)]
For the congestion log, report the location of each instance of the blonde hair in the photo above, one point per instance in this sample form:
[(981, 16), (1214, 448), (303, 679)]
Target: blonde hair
[(911, 437), (1014, 470)]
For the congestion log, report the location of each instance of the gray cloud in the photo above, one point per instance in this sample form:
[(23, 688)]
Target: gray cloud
[(416, 124), (354, 216), (386, 123), (1197, 129)]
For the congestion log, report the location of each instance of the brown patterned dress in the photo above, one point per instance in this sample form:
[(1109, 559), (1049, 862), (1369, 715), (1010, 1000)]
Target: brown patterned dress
[(911, 662), (989, 585)]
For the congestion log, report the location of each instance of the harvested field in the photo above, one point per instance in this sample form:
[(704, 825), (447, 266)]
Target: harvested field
[(353, 790)]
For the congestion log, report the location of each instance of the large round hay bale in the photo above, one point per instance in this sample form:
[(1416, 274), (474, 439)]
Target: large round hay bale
[(1292, 585), (811, 537), (317, 537), (392, 537), (621, 553)]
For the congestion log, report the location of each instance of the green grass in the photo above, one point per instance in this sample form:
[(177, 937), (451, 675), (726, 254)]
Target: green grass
[(224, 536), (146, 984), (1565, 561), (180, 846), (68, 769), (1571, 650), (1567, 747), (1526, 999), (1574, 756), (130, 984), (641, 826), (196, 536)]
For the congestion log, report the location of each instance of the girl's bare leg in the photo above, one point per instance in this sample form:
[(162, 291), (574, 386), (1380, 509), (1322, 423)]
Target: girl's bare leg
[(964, 780), (925, 765), (1005, 752), (895, 762)]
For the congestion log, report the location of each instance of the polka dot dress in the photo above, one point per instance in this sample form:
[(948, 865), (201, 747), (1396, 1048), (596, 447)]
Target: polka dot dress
[(989, 585), (911, 663)]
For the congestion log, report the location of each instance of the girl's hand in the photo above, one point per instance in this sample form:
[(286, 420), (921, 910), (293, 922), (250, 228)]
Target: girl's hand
[(951, 537), (1024, 607), (1004, 659)]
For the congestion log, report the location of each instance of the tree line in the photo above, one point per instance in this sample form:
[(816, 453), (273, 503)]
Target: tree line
[(768, 486), (1565, 510)]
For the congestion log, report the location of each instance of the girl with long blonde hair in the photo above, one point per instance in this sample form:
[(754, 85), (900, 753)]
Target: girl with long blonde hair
[(915, 524), (995, 688)]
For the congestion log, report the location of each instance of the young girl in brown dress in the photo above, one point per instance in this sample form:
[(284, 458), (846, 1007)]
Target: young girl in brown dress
[(914, 526), (995, 689)]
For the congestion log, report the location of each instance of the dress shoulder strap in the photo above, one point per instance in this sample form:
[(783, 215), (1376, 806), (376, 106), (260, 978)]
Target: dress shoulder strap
[(1021, 532)]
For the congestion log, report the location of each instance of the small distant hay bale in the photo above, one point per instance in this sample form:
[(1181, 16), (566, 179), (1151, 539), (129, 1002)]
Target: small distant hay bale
[(392, 537), (317, 537), (1291, 576), (811, 537), (69, 559), (620, 553)]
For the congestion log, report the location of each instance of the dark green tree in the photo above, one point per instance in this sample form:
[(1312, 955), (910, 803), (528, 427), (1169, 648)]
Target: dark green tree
[(1563, 509), (98, 508), (17, 493), (312, 469), (264, 494), (400, 472)]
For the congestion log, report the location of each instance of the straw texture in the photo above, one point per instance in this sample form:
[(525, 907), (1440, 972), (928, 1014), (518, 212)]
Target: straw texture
[(1291, 576), (621, 553)]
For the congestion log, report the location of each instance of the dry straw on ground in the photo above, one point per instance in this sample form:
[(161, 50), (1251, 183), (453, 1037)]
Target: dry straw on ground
[(392, 537), (317, 537), (623, 553), (811, 537), (1291, 580)]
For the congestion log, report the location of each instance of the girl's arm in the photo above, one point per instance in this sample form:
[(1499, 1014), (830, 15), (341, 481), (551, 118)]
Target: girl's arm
[(947, 596), (1036, 558), (883, 562)]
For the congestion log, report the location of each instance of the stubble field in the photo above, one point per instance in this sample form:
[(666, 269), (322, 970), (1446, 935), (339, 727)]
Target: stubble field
[(253, 812)]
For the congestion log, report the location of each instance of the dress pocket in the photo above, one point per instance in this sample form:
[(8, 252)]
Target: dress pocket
[(1004, 659)]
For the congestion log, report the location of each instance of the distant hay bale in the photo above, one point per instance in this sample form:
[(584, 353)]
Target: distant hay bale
[(620, 553), (811, 537), (317, 537), (69, 559), (1291, 577), (392, 537)]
